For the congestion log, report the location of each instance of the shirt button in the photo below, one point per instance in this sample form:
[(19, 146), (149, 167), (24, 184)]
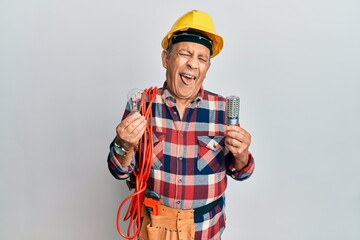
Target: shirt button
[(180, 180), (180, 158), (175, 113), (178, 202), (181, 134)]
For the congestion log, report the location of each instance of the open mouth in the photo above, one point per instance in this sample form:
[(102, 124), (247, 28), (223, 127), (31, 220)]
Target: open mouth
[(187, 78)]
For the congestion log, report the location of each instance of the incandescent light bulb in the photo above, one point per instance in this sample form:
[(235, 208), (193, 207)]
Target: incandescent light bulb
[(134, 98)]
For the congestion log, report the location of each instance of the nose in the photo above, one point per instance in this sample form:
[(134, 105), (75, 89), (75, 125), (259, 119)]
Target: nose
[(193, 62)]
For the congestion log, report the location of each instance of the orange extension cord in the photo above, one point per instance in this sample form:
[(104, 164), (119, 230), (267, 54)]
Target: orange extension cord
[(141, 172)]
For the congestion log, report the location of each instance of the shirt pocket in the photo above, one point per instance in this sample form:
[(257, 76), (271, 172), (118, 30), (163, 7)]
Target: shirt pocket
[(158, 149), (210, 154)]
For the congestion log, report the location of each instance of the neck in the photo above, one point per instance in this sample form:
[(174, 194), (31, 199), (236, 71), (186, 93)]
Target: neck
[(181, 105)]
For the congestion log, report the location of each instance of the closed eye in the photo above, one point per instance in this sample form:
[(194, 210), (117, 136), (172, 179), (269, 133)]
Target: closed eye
[(184, 54), (203, 60)]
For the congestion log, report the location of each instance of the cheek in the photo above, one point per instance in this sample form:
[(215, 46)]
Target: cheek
[(203, 73)]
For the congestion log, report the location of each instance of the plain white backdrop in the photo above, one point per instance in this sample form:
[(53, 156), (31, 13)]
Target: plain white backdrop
[(66, 67)]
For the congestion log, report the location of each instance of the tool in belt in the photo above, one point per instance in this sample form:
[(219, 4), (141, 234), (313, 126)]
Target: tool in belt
[(152, 204)]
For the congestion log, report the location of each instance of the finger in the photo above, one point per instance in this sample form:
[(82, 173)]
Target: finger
[(238, 133), (235, 129), (127, 124), (138, 134), (231, 128), (236, 151), (133, 126), (138, 130), (133, 132), (232, 142), (130, 119), (238, 139)]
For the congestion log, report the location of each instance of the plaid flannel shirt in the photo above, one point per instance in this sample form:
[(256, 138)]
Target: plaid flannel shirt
[(190, 161)]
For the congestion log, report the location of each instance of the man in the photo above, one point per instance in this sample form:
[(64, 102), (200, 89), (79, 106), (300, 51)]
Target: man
[(194, 150)]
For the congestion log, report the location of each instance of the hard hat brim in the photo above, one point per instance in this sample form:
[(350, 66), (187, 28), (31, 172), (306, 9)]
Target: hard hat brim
[(217, 40)]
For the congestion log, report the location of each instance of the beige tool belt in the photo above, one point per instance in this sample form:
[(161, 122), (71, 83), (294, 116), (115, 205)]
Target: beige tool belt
[(170, 224)]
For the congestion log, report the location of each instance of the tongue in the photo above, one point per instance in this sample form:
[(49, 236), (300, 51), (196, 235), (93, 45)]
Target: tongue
[(186, 80)]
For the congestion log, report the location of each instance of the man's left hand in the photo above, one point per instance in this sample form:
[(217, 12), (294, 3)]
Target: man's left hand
[(238, 140)]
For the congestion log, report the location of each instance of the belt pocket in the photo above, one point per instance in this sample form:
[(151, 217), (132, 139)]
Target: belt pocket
[(170, 228), (157, 233)]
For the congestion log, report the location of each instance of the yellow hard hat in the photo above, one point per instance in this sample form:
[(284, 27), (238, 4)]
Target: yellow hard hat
[(200, 21)]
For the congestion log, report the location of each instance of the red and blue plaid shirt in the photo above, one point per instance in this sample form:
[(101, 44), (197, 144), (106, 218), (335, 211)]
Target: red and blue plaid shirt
[(190, 161)]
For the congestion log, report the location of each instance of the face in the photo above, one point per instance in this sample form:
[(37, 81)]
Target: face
[(186, 67)]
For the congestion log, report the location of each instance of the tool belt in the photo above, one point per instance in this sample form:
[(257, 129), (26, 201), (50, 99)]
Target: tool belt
[(170, 223)]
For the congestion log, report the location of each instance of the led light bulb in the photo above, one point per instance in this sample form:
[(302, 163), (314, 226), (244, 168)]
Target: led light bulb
[(232, 110), (134, 98)]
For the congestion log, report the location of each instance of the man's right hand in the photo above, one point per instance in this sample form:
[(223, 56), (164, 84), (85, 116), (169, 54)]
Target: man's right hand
[(130, 130)]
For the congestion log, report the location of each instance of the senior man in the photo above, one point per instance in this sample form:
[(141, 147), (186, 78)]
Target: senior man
[(194, 149)]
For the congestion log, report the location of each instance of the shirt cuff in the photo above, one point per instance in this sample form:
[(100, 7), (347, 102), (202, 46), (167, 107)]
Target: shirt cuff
[(243, 173), (120, 171)]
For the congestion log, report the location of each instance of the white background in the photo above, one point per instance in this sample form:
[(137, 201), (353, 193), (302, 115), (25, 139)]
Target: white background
[(65, 69)]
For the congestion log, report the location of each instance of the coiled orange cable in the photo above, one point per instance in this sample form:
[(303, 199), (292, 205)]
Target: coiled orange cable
[(141, 171)]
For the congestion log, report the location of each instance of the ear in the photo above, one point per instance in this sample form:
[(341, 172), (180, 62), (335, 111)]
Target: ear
[(164, 58)]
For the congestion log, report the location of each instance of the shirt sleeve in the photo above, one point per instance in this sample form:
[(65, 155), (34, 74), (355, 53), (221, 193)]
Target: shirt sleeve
[(243, 173), (116, 169)]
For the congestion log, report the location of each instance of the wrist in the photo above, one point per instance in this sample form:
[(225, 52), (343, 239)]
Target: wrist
[(241, 161), (120, 150)]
